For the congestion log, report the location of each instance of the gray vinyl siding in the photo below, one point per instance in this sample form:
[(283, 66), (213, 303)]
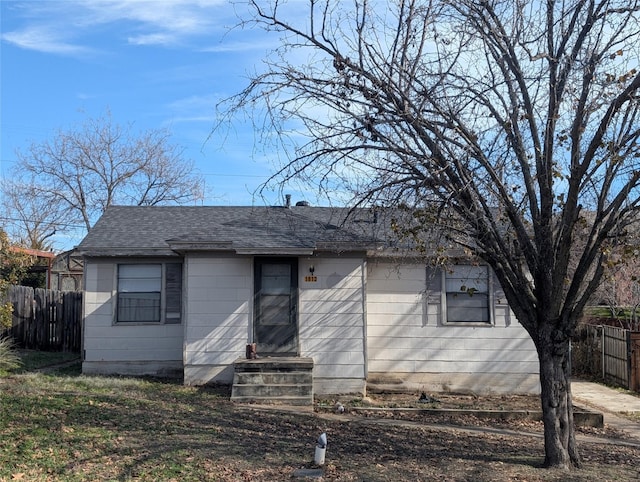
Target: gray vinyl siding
[(407, 333), (331, 317), (108, 342)]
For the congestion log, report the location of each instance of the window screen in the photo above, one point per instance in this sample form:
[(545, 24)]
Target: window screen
[(467, 292), (146, 292), (139, 292)]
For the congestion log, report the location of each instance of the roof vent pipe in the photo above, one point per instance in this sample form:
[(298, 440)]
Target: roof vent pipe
[(287, 198)]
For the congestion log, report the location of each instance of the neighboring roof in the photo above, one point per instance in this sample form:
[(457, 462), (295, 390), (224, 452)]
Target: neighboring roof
[(38, 253), (295, 230), (67, 261)]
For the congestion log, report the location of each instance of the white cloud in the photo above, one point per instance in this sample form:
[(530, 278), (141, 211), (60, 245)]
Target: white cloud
[(45, 39), (158, 21), (66, 28), (152, 39)]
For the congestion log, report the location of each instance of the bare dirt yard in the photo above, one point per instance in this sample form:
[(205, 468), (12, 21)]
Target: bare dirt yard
[(400, 437), (63, 426)]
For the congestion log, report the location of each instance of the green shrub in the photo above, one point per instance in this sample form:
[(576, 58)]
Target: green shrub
[(6, 309)]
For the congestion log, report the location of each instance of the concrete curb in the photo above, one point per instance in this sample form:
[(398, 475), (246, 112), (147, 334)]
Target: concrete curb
[(582, 417)]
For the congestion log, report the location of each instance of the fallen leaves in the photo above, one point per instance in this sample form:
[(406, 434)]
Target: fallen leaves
[(156, 431)]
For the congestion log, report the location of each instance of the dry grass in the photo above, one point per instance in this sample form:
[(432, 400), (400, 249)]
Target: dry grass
[(73, 428), (9, 356)]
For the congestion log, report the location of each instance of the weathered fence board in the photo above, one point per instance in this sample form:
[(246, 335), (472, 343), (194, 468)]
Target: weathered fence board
[(586, 352), (46, 319), (608, 353), (616, 355), (635, 362)]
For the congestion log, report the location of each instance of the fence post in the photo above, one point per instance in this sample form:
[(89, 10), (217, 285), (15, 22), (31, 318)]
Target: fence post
[(635, 361), (630, 381), (604, 339)]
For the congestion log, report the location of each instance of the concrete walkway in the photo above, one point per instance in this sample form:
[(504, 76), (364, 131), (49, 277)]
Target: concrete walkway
[(611, 403)]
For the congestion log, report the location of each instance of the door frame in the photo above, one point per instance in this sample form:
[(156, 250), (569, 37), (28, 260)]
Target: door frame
[(258, 263)]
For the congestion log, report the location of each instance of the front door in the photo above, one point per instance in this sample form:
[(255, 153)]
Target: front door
[(275, 324)]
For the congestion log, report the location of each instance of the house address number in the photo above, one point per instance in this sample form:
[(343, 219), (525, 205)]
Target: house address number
[(310, 279)]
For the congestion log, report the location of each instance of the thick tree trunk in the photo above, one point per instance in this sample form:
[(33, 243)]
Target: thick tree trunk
[(559, 431)]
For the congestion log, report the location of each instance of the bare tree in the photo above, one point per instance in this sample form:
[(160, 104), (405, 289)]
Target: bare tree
[(620, 286), (511, 124), (29, 219), (80, 172)]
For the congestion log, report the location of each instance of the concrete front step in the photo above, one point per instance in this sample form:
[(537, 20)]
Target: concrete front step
[(285, 380), (274, 364), (297, 401), (275, 391), (272, 378)]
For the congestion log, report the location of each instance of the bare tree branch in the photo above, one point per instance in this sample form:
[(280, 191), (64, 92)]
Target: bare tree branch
[(80, 172)]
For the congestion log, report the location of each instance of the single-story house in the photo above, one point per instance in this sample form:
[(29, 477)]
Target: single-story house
[(185, 290)]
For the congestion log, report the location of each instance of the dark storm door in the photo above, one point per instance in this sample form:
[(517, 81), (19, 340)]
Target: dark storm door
[(275, 324)]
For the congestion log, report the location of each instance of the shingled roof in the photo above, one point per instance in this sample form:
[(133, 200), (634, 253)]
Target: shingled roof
[(171, 230)]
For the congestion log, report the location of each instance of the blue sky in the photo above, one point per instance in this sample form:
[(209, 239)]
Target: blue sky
[(157, 64)]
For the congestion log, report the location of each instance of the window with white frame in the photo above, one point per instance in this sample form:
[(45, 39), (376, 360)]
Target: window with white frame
[(149, 293), (467, 291)]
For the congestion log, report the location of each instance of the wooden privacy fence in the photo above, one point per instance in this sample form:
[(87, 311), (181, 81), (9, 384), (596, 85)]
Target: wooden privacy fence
[(46, 319), (608, 352)]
